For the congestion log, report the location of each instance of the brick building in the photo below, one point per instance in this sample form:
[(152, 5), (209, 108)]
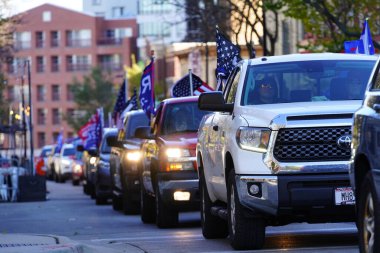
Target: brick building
[(61, 44)]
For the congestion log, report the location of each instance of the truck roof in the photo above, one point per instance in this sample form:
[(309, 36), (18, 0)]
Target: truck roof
[(314, 56), (180, 100)]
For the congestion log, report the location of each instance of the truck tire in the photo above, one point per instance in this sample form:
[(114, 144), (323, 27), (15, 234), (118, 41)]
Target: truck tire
[(117, 203), (166, 217), (129, 206), (212, 226), (369, 216), (245, 233), (147, 207)]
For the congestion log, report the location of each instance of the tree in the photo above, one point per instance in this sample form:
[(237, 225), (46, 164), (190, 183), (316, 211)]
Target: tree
[(7, 25), (331, 22), (234, 17), (93, 92)]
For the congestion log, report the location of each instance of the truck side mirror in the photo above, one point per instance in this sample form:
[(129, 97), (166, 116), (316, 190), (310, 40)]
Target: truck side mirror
[(214, 101), (143, 133), (112, 141)]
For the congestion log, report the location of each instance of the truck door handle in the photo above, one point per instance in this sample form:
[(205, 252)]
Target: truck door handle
[(215, 128), (376, 107)]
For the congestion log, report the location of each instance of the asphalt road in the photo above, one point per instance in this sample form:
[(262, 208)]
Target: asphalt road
[(69, 212)]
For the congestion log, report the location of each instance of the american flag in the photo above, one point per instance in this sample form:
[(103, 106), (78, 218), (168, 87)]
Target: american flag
[(91, 132), (120, 101), (182, 87), (228, 55)]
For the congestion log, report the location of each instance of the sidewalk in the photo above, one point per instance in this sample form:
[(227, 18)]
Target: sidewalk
[(12, 243)]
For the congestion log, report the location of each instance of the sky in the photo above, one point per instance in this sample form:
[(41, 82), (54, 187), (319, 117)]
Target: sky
[(23, 5)]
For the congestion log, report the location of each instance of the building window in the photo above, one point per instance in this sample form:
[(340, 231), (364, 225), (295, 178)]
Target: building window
[(80, 38), (41, 93), (56, 116), (54, 63), (55, 136), (40, 39), (54, 38), (41, 116), (70, 95), (117, 12), (22, 40), (56, 92), (40, 64), (96, 2), (41, 139), (78, 62), (46, 16)]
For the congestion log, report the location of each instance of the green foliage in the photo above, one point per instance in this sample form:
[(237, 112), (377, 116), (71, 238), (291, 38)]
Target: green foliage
[(94, 91), (328, 23)]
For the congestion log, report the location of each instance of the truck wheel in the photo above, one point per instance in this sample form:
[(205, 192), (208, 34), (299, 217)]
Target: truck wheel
[(369, 217), (212, 226), (117, 202), (245, 233), (166, 217), (129, 206), (147, 207)]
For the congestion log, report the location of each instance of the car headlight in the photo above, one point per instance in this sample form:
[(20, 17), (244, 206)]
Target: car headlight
[(133, 156), (77, 168), (93, 160), (177, 152), (253, 139)]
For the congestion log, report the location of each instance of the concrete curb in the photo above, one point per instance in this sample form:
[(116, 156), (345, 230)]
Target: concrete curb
[(16, 243)]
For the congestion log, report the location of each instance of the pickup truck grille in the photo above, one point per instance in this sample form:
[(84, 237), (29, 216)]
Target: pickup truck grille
[(311, 144)]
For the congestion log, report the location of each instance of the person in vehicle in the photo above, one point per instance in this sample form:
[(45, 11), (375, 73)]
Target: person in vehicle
[(180, 123), (265, 91)]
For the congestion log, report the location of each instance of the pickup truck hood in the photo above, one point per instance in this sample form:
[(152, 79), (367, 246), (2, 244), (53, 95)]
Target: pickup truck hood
[(263, 115), (180, 139)]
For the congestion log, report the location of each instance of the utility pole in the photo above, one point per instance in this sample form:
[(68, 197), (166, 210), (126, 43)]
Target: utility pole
[(30, 117)]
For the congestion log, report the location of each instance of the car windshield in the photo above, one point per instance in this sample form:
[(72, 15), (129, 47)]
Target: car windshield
[(45, 152), (105, 149), (134, 122), (68, 151), (182, 117), (306, 81)]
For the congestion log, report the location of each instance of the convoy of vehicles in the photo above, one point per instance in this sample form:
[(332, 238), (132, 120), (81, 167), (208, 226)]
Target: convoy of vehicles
[(271, 149), (266, 163)]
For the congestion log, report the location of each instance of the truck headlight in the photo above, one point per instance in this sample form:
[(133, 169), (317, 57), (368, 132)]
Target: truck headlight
[(177, 152), (93, 160), (77, 168), (253, 139), (134, 156)]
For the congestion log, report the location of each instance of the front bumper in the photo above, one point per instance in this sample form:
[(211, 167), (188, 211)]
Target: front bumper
[(309, 197), (185, 181)]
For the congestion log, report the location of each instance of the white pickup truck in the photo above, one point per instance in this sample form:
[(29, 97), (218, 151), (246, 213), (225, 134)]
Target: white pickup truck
[(276, 149)]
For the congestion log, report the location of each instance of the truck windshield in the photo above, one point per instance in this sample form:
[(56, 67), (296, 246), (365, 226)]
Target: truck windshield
[(306, 81), (68, 152), (182, 117)]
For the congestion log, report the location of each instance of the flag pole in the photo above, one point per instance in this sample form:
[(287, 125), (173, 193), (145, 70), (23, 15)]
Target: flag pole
[(191, 83)]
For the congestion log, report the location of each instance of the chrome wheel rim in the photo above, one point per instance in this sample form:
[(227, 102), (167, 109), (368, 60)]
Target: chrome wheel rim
[(369, 224), (232, 209)]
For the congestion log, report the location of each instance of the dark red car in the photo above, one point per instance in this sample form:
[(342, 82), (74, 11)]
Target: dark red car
[(168, 169)]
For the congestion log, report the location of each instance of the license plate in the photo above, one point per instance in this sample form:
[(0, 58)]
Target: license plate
[(344, 196)]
